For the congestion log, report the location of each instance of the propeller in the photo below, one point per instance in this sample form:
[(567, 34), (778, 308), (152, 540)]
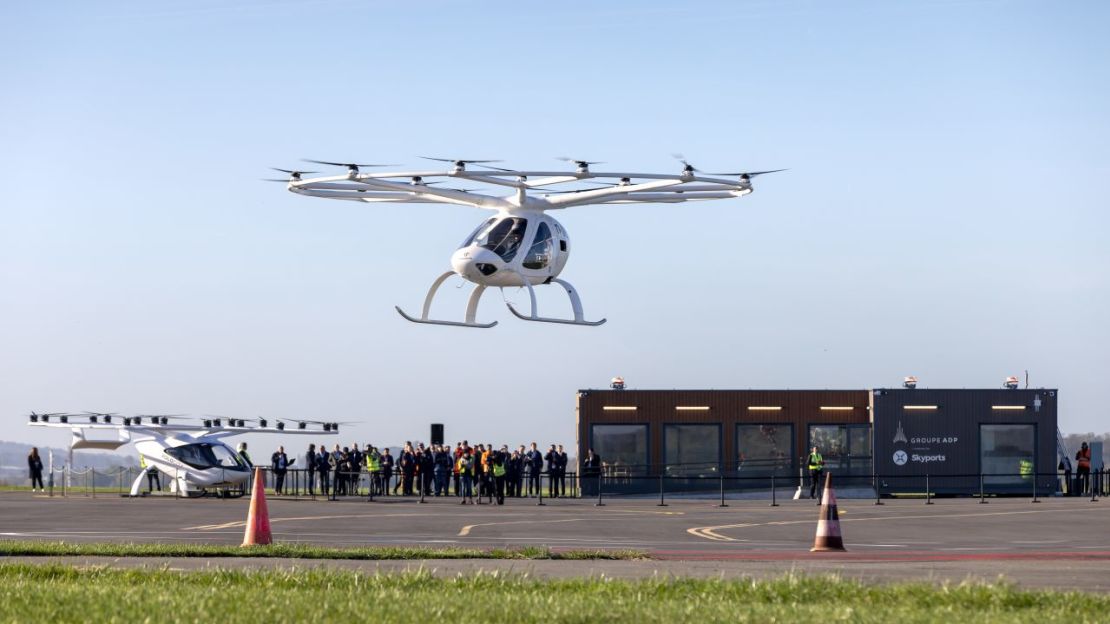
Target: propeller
[(583, 165), (748, 175), (351, 167), (294, 175), (460, 163), (687, 168)]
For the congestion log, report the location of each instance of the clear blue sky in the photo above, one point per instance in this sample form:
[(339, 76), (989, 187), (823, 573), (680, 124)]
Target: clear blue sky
[(945, 212)]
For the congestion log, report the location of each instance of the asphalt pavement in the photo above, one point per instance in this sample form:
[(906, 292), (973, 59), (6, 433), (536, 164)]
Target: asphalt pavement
[(1058, 542)]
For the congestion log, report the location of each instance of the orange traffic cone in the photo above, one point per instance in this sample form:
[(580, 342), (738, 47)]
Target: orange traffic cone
[(828, 523), (258, 518)]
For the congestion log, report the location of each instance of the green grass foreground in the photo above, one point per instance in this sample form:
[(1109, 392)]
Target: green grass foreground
[(297, 551), (59, 593)]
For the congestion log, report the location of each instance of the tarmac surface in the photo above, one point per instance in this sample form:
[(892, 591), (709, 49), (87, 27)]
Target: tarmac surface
[(1058, 543)]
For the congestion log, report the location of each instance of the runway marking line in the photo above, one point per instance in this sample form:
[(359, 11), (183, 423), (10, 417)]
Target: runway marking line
[(466, 529), (710, 532), (243, 523)]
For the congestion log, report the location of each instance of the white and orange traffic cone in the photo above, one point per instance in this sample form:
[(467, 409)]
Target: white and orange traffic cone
[(258, 518), (828, 523)]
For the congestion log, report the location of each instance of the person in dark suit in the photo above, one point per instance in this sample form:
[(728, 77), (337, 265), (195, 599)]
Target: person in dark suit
[(552, 459), (534, 463), (310, 467), (427, 463), (387, 470), (562, 470), (279, 464), (323, 469), (591, 464), (408, 470)]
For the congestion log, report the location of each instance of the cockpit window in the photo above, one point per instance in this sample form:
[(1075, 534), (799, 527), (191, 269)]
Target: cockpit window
[(204, 455), (539, 255), (474, 234), (505, 238)]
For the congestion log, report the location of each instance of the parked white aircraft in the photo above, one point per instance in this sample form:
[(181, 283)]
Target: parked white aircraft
[(193, 455)]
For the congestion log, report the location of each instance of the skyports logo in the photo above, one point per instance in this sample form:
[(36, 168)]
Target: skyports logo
[(927, 459), (901, 458)]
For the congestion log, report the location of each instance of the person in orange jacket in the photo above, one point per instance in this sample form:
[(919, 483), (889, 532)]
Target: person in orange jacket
[(1082, 469)]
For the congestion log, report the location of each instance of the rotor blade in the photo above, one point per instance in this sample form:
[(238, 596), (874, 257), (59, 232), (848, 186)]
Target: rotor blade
[(496, 168), (339, 164), (750, 174), (283, 181), (580, 162), (459, 160), (682, 159), (293, 171)]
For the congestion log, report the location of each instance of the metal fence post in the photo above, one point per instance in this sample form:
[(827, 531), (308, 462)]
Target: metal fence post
[(722, 504), (875, 482), (1035, 500), (774, 499), (982, 496), (928, 495), (599, 503), (539, 491), (662, 503)]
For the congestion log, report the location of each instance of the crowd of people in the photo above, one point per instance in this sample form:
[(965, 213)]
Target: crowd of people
[(465, 471)]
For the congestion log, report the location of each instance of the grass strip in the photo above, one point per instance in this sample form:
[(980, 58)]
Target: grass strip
[(61, 593), (298, 551)]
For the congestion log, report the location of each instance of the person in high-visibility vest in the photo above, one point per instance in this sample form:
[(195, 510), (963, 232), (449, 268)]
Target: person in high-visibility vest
[(465, 465), (374, 469), (1082, 469), (1025, 467), (152, 475), (816, 465)]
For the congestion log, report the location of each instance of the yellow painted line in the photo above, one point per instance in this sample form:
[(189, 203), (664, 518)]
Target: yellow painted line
[(710, 532)]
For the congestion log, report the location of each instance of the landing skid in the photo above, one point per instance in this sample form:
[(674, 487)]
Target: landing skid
[(476, 295), (471, 307), (575, 304)]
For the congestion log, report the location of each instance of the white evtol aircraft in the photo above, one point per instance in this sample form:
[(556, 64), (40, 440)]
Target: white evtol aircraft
[(193, 456), (522, 245)]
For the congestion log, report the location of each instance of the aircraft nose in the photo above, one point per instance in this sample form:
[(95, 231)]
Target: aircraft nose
[(474, 263)]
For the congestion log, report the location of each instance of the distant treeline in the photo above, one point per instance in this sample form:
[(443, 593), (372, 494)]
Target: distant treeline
[(1074, 440)]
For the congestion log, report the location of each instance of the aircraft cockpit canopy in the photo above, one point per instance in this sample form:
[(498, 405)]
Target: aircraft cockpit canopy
[(204, 455)]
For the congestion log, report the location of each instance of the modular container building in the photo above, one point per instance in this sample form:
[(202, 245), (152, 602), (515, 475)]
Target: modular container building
[(964, 438), (694, 437), (890, 439)]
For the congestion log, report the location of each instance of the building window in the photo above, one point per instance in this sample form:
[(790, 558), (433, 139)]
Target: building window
[(845, 448), (763, 450), (1006, 454), (623, 449), (692, 450)]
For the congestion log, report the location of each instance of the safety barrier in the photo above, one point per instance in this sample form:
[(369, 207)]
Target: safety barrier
[(602, 484)]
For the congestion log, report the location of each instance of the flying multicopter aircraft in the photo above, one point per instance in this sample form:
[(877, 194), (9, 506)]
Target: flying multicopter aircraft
[(192, 454), (522, 245)]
